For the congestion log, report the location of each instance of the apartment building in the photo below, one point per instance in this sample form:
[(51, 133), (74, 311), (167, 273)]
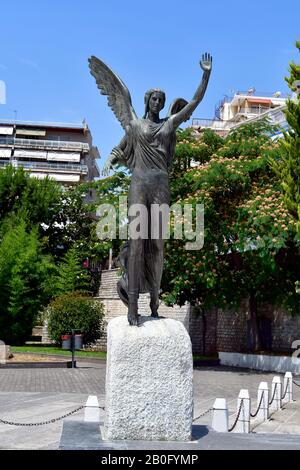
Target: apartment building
[(244, 106), (64, 152)]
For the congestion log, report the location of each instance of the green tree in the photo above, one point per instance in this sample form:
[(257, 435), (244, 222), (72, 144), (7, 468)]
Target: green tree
[(75, 311), (287, 166), (249, 250), (26, 276), (28, 198), (72, 276)]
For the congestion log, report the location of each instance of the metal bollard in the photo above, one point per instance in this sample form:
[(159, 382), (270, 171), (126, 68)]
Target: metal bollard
[(243, 422), (288, 387), (220, 415), (92, 411), (276, 394), (263, 396)]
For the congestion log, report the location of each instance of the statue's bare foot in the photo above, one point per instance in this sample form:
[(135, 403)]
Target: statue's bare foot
[(133, 319), (133, 316), (154, 304)]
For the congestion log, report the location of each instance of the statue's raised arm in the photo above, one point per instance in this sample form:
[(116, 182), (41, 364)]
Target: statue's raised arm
[(185, 113)]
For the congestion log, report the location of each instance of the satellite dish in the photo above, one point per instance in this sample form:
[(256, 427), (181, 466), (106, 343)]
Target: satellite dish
[(251, 90), (277, 94)]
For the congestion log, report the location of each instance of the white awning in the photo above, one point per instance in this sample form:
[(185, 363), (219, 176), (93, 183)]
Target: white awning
[(62, 177), (31, 132), (31, 154), (64, 157), (6, 130), (5, 153)]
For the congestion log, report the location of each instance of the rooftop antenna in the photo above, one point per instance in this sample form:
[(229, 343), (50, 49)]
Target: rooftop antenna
[(84, 123), (16, 114)]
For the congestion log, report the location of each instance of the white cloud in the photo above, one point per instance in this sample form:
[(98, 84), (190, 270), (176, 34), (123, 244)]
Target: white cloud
[(30, 63)]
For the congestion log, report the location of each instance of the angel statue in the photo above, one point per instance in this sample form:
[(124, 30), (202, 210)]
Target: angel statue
[(147, 150)]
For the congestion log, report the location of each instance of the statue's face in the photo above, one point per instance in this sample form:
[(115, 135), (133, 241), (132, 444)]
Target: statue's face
[(156, 102)]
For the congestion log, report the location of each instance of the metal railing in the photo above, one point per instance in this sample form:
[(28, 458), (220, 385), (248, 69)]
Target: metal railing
[(276, 115), (65, 125), (53, 144), (68, 167), (212, 123), (262, 94), (253, 110)]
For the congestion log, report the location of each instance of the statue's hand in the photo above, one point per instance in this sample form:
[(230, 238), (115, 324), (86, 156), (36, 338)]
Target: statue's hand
[(107, 168), (206, 62), (114, 157)]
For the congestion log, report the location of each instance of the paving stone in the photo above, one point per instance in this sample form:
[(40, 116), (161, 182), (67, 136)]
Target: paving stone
[(30, 395)]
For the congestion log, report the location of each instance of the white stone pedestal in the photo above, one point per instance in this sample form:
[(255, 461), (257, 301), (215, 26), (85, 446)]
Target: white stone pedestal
[(149, 380)]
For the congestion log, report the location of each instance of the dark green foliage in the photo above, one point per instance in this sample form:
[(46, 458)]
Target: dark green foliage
[(34, 200), (75, 311), (71, 275), (287, 166), (26, 276)]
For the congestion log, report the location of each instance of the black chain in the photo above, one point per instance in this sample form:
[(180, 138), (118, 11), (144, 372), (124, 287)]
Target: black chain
[(273, 396), (41, 423), (258, 407), (238, 415), (295, 383), (286, 389), (203, 414)]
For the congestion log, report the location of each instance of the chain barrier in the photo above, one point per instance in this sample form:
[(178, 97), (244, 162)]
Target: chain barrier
[(50, 421), (203, 414), (237, 417), (295, 383), (258, 406), (273, 396), (286, 389)]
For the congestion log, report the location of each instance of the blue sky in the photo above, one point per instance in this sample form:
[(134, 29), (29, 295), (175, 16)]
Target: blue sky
[(45, 45)]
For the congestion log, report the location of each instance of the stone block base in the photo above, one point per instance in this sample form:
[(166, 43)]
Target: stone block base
[(149, 380)]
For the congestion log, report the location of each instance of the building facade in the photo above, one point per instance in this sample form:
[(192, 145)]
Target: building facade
[(64, 152), (245, 106)]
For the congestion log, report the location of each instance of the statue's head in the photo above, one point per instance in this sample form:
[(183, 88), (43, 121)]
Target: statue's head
[(154, 100)]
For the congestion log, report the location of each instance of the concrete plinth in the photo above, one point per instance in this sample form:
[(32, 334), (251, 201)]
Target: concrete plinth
[(149, 380)]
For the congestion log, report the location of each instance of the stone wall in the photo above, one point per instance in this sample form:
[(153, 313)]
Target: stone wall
[(226, 330), (285, 329), (231, 330), (196, 330)]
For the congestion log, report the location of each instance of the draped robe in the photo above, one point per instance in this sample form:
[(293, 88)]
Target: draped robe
[(148, 154)]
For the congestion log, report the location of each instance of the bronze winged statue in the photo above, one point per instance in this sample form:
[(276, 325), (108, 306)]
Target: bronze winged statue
[(147, 150)]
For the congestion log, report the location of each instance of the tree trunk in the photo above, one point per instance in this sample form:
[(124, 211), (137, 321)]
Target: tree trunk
[(254, 322)]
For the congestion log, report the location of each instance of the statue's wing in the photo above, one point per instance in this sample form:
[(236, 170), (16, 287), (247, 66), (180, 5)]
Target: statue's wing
[(177, 105), (117, 93)]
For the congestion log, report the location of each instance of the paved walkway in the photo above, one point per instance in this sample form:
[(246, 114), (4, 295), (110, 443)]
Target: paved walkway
[(34, 395)]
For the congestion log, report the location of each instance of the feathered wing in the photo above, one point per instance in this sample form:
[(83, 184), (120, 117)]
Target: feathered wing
[(117, 93), (177, 105)]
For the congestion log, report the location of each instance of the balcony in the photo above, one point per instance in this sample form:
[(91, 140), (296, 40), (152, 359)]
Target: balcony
[(253, 111), (48, 167), (43, 144), (216, 124)]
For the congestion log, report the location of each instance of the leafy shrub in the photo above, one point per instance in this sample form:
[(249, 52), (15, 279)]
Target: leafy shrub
[(75, 310)]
